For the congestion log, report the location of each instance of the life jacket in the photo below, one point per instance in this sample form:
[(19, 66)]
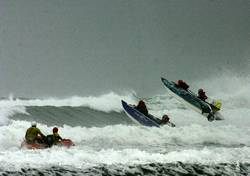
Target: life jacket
[(52, 139), (217, 104), (31, 134), (57, 138)]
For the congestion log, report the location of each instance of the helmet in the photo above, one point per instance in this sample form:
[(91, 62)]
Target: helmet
[(165, 117), (33, 124), (55, 130), (200, 90), (180, 81), (141, 103)]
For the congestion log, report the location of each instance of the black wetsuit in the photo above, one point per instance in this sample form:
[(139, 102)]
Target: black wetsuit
[(52, 139)]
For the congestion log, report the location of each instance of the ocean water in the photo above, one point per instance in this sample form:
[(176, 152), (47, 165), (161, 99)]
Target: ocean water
[(109, 143)]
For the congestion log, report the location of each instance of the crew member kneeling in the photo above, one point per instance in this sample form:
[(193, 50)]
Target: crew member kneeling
[(53, 139), (34, 135)]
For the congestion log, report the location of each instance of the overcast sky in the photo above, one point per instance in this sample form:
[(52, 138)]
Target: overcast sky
[(82, 47)]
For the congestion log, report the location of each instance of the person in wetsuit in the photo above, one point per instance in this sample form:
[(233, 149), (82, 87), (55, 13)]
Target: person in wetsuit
[(165, 121), (34, 135), (182, 84), (142, 108), (202, 95), (53, 139)]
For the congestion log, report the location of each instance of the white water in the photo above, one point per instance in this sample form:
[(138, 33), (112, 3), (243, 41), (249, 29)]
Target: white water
[(194, 140), (87, 158), (122, 144)]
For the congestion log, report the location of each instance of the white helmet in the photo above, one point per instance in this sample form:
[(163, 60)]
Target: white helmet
[(33, 124)]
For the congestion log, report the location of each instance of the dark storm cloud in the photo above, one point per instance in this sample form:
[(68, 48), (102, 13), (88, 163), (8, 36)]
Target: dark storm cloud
[(62, 48)]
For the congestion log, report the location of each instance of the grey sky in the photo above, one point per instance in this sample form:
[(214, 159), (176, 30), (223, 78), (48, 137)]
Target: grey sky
[(81, 47)]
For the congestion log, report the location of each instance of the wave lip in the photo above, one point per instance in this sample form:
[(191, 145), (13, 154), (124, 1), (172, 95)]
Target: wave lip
[(106, 103), (56, 111)]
